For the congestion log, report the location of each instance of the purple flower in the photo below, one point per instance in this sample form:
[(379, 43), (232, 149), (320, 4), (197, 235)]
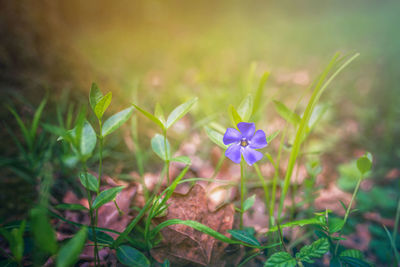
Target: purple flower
[(244, 143)]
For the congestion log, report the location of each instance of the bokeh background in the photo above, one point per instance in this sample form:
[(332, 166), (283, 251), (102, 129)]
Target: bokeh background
[(168, 51)]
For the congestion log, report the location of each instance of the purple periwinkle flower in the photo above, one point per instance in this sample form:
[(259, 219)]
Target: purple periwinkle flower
[(244, 143)]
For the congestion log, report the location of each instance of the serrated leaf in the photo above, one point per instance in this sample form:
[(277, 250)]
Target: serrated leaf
[(179, 112), (249, 202), (354, 262), (69, 253), (215, 137), (132, 257), (101, 237), (335, 225), (159, 113), (158, 146), (364, 163), (92, 182), (286, 113), (102, 105), (150, 116), (272, 136), (115, 121), (244, 236), (182, 159), (95, 95), (245, 108), (280, 259), (234, 116), (352, 253), (66, 206), (43, 233), (106, 196), (316, 250)]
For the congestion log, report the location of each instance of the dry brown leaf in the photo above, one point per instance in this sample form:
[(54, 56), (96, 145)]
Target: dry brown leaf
[(185, 246)]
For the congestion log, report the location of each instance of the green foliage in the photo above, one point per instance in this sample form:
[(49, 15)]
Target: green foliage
[(280, 259), (286, 113), (65, 206), (335, 224), (158, 146), (364, 163), (245, 108), (69, 253), (130, 256), (179, 112), (182, 159), (234, 116), (42, 231), (244, 236), (101, 237), (215, 137), (150, 116), (316, 250), (94, 96), (102, 105), (89, 181), (15, 240), (115, 121), (249, 202), (106, 196)]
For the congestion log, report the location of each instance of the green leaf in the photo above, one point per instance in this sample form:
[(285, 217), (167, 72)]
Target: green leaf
[(150, 116), (179, 112), (259, 93), (43, 233), (245, 108), (364, 163), (244, 236), (115, 121), (204, 229), (159, 113), (316, 220), (215, 137), (280, 259), (158, 146), (354, 262), (66, 206), (101, 237), (88, 140), (106, 196), (36, 118), (92, 183), (316, 250), (94, 96), (354, 253), (286, 113), (23, 128), (249, 202), (272, 136), (69, 253), (102, 105), (182, 159), (335, 225), (234, 116), (132, 257), (16, 240)]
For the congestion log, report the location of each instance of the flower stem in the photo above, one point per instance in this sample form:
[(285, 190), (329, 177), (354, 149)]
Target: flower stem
[(348, 210), (242, 180)]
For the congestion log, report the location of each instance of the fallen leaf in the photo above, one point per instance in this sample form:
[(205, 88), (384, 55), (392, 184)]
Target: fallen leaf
[(185, 246)]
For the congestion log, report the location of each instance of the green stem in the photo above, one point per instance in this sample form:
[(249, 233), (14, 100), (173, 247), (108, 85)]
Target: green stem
[(166, 155), (348, 210), (92, 219), (396, 222), (264, 184), (242, 180), (275, 179)]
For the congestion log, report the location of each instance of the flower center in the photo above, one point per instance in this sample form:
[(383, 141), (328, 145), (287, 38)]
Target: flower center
[(244, 142)]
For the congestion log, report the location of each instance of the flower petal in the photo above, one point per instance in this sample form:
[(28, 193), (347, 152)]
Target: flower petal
[(233, 153), (251, 156), (259, 140), (231, 135), (247, 129)]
